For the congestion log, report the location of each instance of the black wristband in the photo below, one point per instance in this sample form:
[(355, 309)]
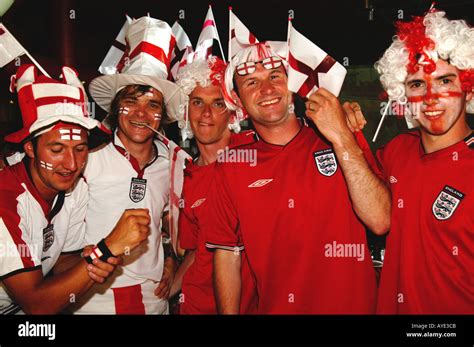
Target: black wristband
[(106, 253), (100, 251)]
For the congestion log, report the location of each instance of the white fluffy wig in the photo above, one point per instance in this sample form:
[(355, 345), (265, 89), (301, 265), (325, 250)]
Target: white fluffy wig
[(204, 73), (453, 41)]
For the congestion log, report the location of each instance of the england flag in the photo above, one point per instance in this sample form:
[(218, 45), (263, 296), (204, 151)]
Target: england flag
[(311, 68), (240, 36), (181, 51), (116, 51), (206, 38), (10, 48)]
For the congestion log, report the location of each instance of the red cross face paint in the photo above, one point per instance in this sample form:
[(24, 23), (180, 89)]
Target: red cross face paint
[(59, 158), (124, 110), (70, 134), (437, 100), (45, 165), (137, 111)]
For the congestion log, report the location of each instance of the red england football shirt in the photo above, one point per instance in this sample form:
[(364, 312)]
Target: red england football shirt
[(197, 287), (293, 214), (429, 259)]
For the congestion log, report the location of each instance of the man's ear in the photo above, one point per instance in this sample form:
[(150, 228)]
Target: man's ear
[(236, 98), (29, 150)]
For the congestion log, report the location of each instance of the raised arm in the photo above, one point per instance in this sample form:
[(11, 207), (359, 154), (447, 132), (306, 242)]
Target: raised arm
[(370, 196)]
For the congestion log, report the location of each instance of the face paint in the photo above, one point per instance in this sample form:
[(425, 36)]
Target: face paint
[(70, 134), (149, 93), (124, 110), (429, 95), (46, 165), (157, 116)]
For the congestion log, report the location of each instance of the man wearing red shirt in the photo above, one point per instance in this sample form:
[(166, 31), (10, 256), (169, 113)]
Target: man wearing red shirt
[(429, 263), (296, 212), (209, 122)]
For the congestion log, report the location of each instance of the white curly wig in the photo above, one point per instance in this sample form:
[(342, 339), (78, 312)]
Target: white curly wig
[(199, 72), (453, 42)]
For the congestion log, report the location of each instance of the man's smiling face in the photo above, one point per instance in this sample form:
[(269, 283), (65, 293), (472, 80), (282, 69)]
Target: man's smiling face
[(437, 100)]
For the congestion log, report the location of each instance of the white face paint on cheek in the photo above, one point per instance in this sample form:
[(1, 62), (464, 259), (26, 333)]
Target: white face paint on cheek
[(157, 116), (124, 110), (46, 165)]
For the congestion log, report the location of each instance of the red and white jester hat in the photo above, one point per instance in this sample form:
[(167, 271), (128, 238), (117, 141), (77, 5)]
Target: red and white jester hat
[(44, 102)]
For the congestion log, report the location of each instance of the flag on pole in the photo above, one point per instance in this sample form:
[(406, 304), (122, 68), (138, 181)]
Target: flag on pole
[(206, 38), (240, 35), (311, 68), (10, 48), (116, 51), (181, 51)]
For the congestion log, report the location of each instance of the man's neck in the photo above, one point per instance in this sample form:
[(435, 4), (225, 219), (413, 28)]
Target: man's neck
[(46, 193), (432, 143), (142, 152), (208, 152), (279, 134)]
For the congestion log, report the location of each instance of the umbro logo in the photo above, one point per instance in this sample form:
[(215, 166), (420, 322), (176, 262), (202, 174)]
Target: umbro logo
[(260, 183), (198, 202), (392, 179)]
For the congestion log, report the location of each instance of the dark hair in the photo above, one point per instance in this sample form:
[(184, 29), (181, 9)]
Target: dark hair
[(132, 90)]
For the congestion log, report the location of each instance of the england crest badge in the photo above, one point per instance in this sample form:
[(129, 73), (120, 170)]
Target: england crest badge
[(137, 189), (446, 203), (326, 162), (48, 237)]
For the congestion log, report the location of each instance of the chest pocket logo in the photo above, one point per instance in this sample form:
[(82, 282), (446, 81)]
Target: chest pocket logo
[(326, 162), (48, 237), (137, 189), (446, 203)]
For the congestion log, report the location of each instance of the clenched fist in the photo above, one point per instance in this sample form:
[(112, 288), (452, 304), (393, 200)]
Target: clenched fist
[(132, 229)]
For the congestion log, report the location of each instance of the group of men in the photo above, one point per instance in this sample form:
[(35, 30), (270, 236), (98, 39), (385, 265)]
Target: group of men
[(281, 234)]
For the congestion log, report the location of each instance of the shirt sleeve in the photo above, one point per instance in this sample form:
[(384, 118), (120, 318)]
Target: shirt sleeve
[(19, 253), (75, 239), (221, 229)]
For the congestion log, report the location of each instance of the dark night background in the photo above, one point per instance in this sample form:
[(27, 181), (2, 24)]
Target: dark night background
[(79, 34)]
